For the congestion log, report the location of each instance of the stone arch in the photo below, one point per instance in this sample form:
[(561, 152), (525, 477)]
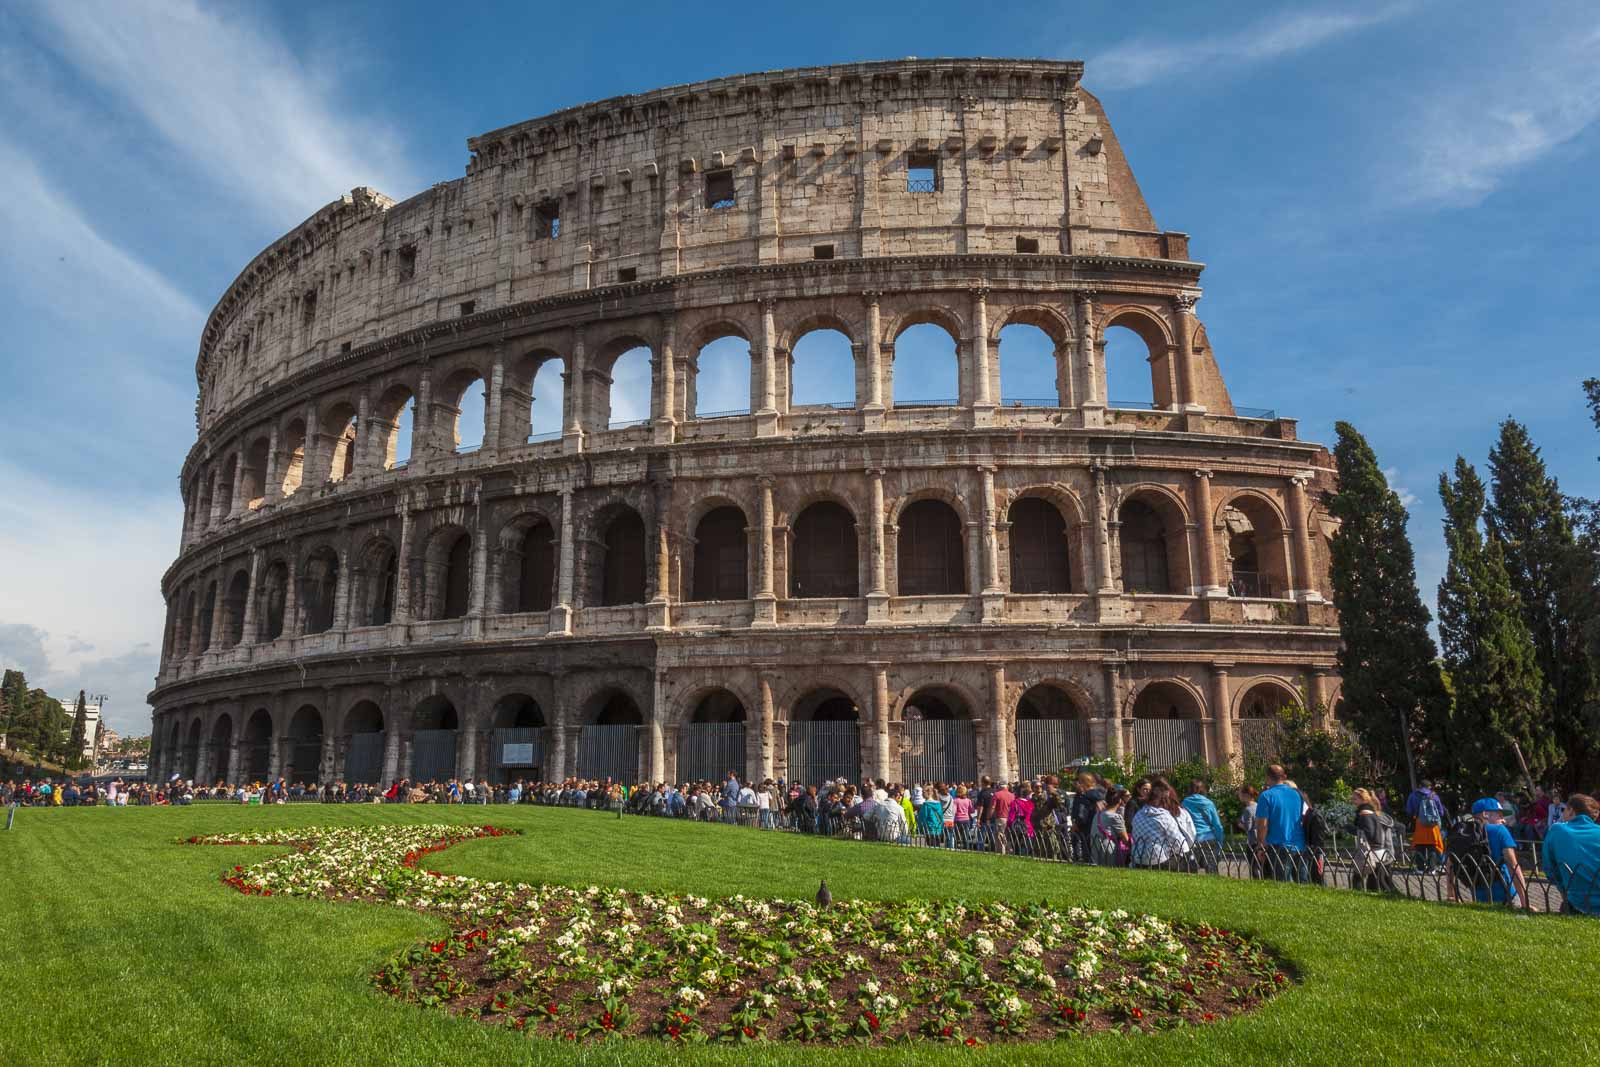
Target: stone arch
[(273, 617), (1166, 727), (225, 479), (293, 441), (208, 610), (1255, 540), (1152, 541), (617, 573), (1159, 698), (303, 749), (363, 741), (529, 546), (191, 750), (937, 725), (1050, 727), (221, 746), (253, 480), (461, 410), (1053, 697), (255, 753), (1155, 333), (824, 734), (447, 568), (711, 735), (819, 366), (720, 568), (618, 380), (233, 606), (319, 589), (612, 737), (1044, 544), (377, 582), (436, 722), (527, 410), (945, 699), (516, 710), (340, 428), (392, 433), (723, 353), (364, 717), (1262, 697), (1033, 347), (824, 550), (940, 379), (930, 546)]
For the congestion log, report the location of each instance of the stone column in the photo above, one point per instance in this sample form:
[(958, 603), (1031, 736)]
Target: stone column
[(767, 414), (274, 753), (402, 576), (233, 757), (478, 601), (666, 400), (219, 503), (767, 714), (660, 606), (1104, 582), (1222, 715), (766, 604), (993, 595), (999, 723), (1094, 400), (291, 595), (422, 421), (497, 385), (1317, 696), (391, 746), (312, 473), (202, 761), (467, 751), (272, 492), (557, 768), (982, 372), (1300, 519), (341, 603), (236, 501), (325, 759), (561, 614), (1188, 379), (1115, 732), (883, 759), (364, 443), (874, 353), (878, 587), (218, 614), (1200, 499), (249, 625), (657, 738)]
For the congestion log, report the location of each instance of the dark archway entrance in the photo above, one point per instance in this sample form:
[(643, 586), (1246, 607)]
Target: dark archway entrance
[(940, 742), (824, 738), (713, 740)]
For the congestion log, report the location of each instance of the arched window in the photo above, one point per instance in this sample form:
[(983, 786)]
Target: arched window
[(304, 755), (536, 572), (458, 578), (1138, 373), (824, 561), (393, 421), (1145, 550), (630, 389), (253, 489), (546, 404), (257, 754), (471, 414), (225, 484), (208, 607), (1258, 551), (294, 448), (275, 595), (713, 742), (941, 744), (822, 370), (721, 382), (233, 609), (927, 369), (339, 425), (721, 555), (1039, 559), (1029, 373), (381, 580), (931, 559), (608, 745), (320, 591), (824, 738), (1051, 731), (622, 560)]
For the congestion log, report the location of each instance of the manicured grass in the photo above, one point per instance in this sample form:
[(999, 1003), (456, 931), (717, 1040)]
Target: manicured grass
[(124, 948)]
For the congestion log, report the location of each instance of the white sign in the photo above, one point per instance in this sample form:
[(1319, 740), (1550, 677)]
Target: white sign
[(516, 755)]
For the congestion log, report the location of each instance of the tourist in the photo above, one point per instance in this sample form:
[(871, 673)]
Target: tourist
[(1279, 812), (1086, 803), (1019, 824), (999, 816), (1572, 855), (1138, 797), (1208, 831), (1109, 841), (1374, 831), (1482, 855), (1428, 815), (961, 815), (1163, 832), (1247, 825), (930, 816)]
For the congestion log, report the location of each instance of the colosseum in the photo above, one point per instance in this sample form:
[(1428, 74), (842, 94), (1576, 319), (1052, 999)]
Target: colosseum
[(916, 580)]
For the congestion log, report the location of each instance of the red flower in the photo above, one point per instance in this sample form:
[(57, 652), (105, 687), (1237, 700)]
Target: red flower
[(749, 1031), (945, 1032), (1280, 978), (437, 947), (971, 1042), (1136, 1013), (673, 1031), (553, 1009), (872, 1021), (1209, 1017), (521, 1023)]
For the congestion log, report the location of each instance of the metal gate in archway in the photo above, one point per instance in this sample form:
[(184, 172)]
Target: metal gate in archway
[(609, 752), (305, 760), (1045, 746), (1164, 742), (363, 760), (516, 752), (709, 750), (940, 750), (824, 751), (433, 755)]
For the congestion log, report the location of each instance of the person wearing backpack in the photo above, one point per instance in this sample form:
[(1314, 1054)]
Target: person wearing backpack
[(1279, 811), (1319, 835), (1374, 831), (1427, 834), (1482, 855)]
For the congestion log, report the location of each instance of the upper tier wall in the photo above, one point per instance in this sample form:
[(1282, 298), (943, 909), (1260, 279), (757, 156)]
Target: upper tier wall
[(818, 156)]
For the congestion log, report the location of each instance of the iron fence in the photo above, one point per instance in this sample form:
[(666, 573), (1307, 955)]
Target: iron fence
[(825, 751), (1165, 742)]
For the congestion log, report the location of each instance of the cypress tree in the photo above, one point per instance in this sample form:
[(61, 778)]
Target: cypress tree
[(1527, 516), (80, 733), (1500, 696), (1394, 693), (13, 699)]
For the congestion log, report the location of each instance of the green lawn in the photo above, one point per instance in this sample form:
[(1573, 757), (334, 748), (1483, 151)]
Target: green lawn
[(123, 947)]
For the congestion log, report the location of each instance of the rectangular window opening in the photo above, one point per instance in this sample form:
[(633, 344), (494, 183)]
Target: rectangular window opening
[(344, 349), (719, 190), (547, 219), (468, 306), (1028, 245), (922, 173), (308, 307), (822, 252), (627, 274), (407, 263)]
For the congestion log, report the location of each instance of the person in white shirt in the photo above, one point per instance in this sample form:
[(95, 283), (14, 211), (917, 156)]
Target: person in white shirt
[(764, 808), (1163, 832)]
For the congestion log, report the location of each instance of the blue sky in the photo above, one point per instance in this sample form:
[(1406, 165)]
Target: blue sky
[(1395, 202)]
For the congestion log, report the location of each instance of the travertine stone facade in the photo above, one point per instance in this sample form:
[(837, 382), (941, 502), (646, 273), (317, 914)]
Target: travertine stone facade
[(979, 586)]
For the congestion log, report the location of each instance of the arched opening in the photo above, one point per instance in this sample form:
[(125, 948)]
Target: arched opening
[(471, 414), (381, 578), (824, 738), (823, 559), (208, 488), (535, 570), (822, 370), (319, 593), (304, 762), (274, 597), (1051, 731), (393, 420), (256, 759), (183, 637), (940, 743), (230, 470), (1166, 725), (233, 604), (1040, 558), (926, 368), (930, 559), (622, 560), (294, 451), (1258, 726), (721, 380), (1153, 553), (433, 743), (339, 426), (191, 751), (713, 740), (364, 744), (608, 745), (447, 572), (1030, 373), (721, 556), (629, 393), (208, 610), (221, 748), (253, 483), (516, 748), (1137, 371), (546, 401), (1258, 549)]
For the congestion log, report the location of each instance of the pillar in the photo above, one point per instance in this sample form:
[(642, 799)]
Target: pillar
[(1102, 536), (233, 756), (291, 596), (658, 739), (391, 746), (248, 637), (478, 601), (311, 472), (659, 610), (496, 384), (274, 753), (341, 603), (202, 761), (1222, 715), (766, 606), (364, 443), (666, 399), (1300, 519), (1113, 722), (1188, 378), (982, 372), (874, 352), (273, 490), (767, 414), (325, 758), (561, 614), (557, 770), (1317, 696), (1093, 399), (422, 420), (1200, 501), (467, 750), (236, 491), (217, 613), (766, 764), (999, 724), (991, 550), (878, 585), (882, 769)]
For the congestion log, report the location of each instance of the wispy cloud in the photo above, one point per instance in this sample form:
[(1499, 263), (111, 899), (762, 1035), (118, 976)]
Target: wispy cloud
[(1146, 60), (1467, 135), (1407, 497), (232, 97)]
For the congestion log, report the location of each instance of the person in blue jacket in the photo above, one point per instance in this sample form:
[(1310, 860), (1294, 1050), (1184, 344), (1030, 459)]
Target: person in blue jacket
[(1208, 831), (1572, 855)]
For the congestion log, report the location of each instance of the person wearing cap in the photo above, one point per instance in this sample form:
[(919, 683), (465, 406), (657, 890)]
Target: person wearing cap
[(1511, 885), (1572, 855)]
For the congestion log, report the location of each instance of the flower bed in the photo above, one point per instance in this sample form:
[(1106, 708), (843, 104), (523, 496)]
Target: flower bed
[(586, 963)]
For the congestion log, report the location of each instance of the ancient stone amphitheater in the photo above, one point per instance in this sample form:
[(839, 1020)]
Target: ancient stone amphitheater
[(897, 583)]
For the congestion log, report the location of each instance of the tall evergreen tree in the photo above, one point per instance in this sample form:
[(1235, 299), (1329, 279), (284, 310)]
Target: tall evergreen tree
[(1394, 693), (79, 739), (1500, 697), (99, 737), (1528, 517), (13, 699)]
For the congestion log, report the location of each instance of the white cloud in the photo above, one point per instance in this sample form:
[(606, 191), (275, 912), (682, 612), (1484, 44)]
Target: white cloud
[(1465, 136), (1407, 497), (231, 96), (1145, 60)]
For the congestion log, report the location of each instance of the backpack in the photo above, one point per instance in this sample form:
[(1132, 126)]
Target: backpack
[(1428, 811), (1317, 829)]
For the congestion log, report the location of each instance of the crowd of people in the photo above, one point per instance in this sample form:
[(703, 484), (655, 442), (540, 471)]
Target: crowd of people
[(1150, 823)]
